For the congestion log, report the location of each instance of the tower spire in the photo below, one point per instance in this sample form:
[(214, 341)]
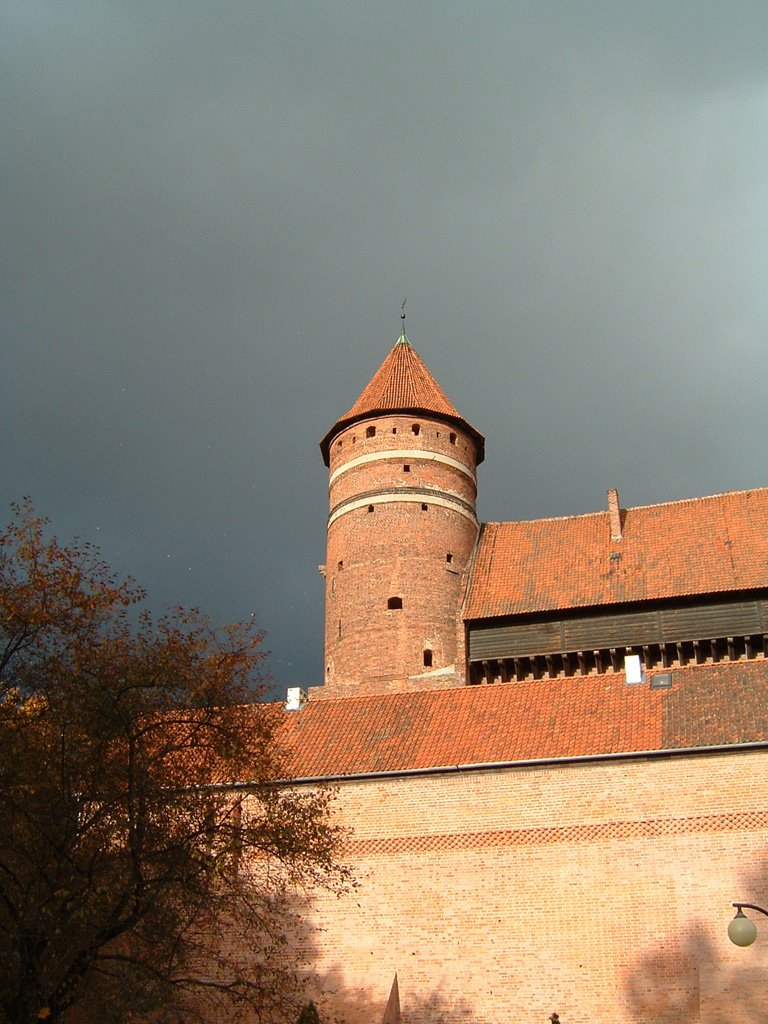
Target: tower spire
[(403, 337), (402, 384)]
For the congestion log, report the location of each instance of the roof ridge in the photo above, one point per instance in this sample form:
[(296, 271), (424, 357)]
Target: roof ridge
[(699, 498), (626, 508)]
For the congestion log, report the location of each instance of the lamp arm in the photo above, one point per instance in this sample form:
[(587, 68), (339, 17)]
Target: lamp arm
[(750, 906)]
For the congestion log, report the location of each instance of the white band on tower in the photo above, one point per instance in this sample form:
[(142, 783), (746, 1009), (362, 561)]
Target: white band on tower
[(439, 498), (404, 453)]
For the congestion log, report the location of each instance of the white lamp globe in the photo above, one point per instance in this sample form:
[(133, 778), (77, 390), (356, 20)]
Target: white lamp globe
[(742, 931)]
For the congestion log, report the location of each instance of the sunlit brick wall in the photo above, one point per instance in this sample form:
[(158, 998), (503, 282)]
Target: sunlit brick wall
[(402, 528), (598, 891)]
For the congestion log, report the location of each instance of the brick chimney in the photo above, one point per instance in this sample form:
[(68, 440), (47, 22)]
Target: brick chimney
[(614, 513)]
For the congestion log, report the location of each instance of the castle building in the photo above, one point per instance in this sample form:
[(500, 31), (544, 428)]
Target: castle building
[(402, 528), (549, 739)]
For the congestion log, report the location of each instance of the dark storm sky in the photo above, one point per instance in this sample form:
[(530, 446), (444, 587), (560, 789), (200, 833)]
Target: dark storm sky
[(212, 211)]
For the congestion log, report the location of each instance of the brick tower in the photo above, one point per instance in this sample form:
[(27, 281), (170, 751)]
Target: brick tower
[(401, 530)]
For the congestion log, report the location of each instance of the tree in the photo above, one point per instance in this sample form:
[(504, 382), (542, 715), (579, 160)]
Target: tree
[(149, 861), (309, 1014)]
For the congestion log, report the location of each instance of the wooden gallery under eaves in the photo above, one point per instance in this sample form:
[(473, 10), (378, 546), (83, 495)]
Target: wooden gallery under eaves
[(549, 738)]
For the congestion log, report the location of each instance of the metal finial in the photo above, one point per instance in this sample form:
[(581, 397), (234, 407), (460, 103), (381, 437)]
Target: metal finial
[(402, 337)]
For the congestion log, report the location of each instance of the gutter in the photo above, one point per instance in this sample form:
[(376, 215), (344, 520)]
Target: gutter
[(542, 762)]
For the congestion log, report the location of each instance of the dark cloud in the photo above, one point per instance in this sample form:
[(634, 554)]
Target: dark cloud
[(212, 212)]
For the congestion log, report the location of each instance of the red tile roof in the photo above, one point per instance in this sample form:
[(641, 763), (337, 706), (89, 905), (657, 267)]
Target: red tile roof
[(402, 384), (696, 546), (548, 718), (717, 704)]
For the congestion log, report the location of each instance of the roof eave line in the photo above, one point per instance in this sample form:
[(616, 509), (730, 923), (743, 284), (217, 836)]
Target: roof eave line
[(542, 762)]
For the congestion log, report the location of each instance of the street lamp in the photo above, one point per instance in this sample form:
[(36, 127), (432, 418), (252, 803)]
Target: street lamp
[(742, 931)]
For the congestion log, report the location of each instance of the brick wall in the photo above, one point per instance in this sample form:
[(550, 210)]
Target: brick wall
[(401, 527), (600, 891)]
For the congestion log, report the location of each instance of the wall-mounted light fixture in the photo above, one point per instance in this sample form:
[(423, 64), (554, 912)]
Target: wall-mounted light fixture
[(742, 931)]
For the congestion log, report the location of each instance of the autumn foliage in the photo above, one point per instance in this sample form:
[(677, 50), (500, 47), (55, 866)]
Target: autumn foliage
[(150, 865)]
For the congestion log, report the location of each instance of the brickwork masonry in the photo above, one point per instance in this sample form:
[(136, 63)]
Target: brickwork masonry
[(600, 891), (401, 531)]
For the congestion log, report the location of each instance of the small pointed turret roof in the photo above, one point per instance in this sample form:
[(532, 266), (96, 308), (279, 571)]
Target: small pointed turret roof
[(403, 384)]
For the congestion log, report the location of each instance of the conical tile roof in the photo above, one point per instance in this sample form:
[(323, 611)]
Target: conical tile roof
[(403, 384)]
